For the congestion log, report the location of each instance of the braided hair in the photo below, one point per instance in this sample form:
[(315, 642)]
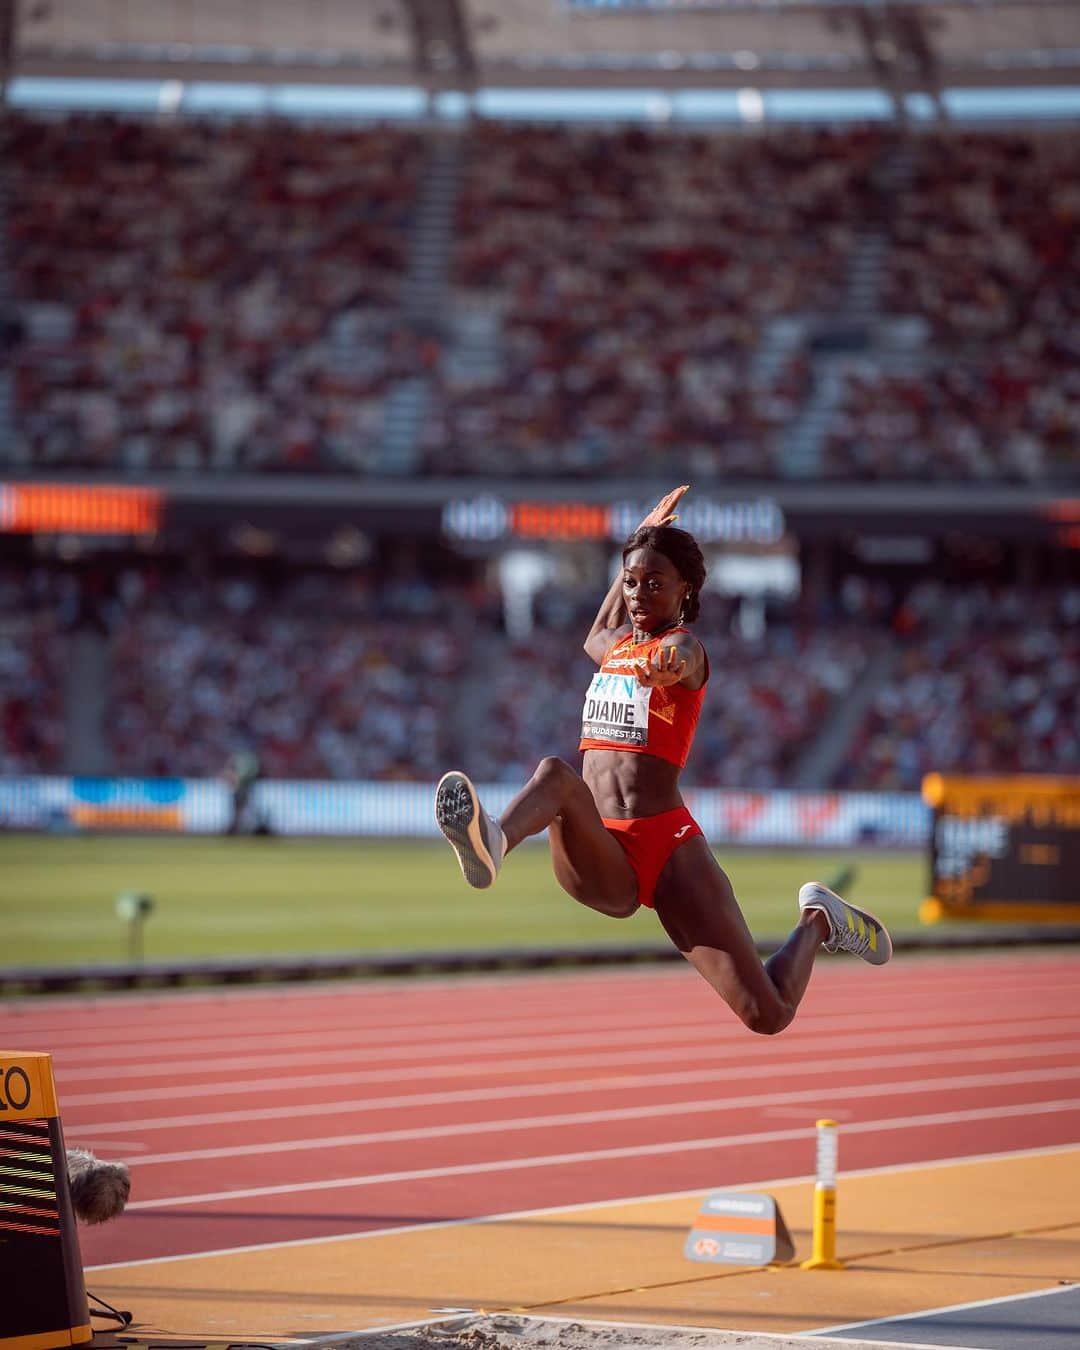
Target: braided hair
[(681, 549)]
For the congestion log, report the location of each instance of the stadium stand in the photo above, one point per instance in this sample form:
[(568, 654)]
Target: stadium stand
[(631, 275), (33, 732), (254, 297), (984, 681), (984, 237), (337, 677), (324, 677), (771, 695), (200, 295), (1009, 415), (615, 301)]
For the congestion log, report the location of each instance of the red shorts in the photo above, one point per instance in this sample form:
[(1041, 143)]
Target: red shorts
[(649, 841)]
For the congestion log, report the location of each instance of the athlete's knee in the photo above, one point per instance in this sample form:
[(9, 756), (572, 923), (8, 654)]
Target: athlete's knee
[(615, 909), (764, 1017), (552, 767), (555, 774), (769, 1020)]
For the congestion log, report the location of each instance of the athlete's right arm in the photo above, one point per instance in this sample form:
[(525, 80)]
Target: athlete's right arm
[(612, 620), (611, 623)]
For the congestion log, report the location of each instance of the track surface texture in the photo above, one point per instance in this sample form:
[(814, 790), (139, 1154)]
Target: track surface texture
[(255, 1118)]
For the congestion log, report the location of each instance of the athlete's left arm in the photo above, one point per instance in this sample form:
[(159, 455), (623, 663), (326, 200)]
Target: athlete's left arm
[(680, 661)]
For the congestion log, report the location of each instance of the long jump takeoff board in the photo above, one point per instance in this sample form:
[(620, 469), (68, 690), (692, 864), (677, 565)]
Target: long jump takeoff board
[(1004, 848), (42, 1293)]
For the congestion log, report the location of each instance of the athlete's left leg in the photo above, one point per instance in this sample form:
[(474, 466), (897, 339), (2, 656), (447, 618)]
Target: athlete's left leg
[(589, 864)]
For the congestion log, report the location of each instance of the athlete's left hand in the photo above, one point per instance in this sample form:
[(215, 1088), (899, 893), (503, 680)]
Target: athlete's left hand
[(666, 667), (663, 513)]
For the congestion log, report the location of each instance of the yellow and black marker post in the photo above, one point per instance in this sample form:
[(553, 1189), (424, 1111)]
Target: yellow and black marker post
[(823, 1255), (42, 1295)]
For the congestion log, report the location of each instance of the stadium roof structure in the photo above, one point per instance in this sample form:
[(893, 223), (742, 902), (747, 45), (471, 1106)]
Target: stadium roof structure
[(900, 46)]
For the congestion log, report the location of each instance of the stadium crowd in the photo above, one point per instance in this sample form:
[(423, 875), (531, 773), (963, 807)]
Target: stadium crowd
[(984, 681), (1008, 416), (984, 235), (634, 273), (777, 690), (227, 296), (319, 675), (330, 676), (36, 611), (985, 247), (197, 295)]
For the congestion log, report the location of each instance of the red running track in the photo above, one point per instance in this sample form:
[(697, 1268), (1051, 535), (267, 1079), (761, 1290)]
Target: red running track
[(260, 1117)]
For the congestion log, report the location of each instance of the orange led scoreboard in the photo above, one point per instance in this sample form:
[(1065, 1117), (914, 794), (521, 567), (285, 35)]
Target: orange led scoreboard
[(42, 1295), (1004, 848), (79, 508)]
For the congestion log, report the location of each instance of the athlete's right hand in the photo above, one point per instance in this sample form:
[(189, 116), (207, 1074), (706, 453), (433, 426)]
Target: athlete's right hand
[(667, 666), (663, 512)]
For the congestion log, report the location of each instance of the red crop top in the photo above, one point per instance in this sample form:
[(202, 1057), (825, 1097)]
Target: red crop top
[(621, 714)]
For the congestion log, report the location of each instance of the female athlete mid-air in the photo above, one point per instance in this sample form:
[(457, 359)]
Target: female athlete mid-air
[(619, 833)]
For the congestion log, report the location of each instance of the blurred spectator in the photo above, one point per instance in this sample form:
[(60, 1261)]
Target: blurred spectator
[(633, 272), (986, 236), (1009, 417), (330, 677), (201, 295), (194, 295), (769, 697), (35, 610), (984, 682), (327, 681)]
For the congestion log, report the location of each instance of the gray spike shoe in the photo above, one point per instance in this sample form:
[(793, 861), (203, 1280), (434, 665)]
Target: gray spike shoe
[(475, 837), (850, 929)]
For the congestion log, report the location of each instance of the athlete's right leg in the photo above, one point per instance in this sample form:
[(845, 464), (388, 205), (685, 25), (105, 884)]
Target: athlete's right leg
[(696, 904), (589, 863)]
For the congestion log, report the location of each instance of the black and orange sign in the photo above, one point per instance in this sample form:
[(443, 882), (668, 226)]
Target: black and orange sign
[(44, 1297), (1003, 848)]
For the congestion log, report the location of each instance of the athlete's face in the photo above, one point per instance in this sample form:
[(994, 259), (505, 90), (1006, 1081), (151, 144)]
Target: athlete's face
[(652, 589)]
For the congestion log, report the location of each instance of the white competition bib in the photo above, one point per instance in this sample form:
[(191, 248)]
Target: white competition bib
[(616, 710)]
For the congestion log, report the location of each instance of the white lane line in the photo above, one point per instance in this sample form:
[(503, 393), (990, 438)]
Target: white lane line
[(167, 1203), (656, 1111), (576, 1086), (115, 1044), (530, 1065), (376, 1053), (523, 1046), (812, 1339), (277, 1043), (509, 1216), (941, 1312), (115, 1011), (360, 1037), (128, 1017)]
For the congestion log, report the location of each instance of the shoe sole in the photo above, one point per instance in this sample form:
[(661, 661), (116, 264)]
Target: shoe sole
[(818, 897), (457, 814)]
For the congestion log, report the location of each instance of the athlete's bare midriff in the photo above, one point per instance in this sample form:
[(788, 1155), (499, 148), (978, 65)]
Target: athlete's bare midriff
[(625, 786)]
